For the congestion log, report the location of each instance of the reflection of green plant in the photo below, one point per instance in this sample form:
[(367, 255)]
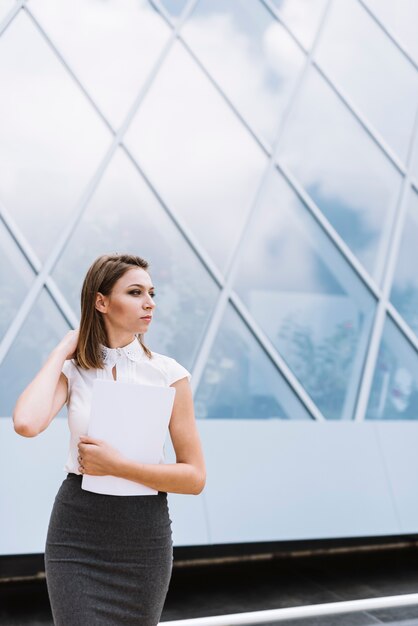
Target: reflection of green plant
[(323, 368)]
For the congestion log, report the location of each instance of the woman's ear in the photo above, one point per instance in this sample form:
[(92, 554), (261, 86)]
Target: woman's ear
[(101, 302)]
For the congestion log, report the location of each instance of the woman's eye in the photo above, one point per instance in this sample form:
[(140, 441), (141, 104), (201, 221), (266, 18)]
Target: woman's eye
[(135, 291)]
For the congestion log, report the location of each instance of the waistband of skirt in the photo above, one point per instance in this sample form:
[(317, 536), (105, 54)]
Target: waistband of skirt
[(79, 477)]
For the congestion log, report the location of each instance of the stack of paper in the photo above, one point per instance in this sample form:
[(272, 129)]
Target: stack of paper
[(134, 419)]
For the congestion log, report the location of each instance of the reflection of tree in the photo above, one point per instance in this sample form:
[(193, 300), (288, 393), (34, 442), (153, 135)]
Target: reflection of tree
[(406, 301), (387, 387), (323, 368), (225, 391)]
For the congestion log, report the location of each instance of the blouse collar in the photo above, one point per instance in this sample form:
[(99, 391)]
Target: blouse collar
[(133, 351)]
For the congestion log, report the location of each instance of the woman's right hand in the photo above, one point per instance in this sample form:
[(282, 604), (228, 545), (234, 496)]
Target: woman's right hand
[(69, 343)]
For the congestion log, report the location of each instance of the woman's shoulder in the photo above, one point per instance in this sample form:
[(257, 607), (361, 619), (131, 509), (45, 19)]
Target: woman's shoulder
[(174, 370)]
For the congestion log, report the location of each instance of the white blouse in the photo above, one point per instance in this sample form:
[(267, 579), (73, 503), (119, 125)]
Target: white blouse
[(132, 365)]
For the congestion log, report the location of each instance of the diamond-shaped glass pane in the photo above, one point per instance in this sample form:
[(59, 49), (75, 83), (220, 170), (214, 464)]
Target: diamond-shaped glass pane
[(351, 50), (240, 381), (51, 139), (302, 16), (405, 283), (112, 46), (394, 394), (41, 332), (307, 300), (226, 34), (341, 168), (124, 217), (15, 279), (401, 18), (198, 155)]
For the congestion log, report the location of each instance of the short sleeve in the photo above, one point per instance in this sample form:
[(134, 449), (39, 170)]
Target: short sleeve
[(67, 370), (175, 371)]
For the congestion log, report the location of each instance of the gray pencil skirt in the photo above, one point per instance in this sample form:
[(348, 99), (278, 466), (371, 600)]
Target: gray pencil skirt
[(108, 559)]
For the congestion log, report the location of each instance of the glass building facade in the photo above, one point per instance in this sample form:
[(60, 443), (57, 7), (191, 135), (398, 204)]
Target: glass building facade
[(262, 155)]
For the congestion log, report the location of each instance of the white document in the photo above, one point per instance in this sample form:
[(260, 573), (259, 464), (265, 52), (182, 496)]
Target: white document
[(134, 419)]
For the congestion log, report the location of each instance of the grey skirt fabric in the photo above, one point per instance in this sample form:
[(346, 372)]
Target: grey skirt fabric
[(108, 559)]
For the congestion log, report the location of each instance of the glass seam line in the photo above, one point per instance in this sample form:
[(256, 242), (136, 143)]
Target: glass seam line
[(82, 203), (95, 107), (350, 257), (345, 99), (11, 15), (35, 264), (382, 306), (325, 224), (331, 231), (227, 292), (394, 39)]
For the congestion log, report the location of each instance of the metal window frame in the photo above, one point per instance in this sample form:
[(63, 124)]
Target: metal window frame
[(44, 278)]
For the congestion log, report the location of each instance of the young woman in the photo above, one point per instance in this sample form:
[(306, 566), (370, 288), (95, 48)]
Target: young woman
[(108, 559)]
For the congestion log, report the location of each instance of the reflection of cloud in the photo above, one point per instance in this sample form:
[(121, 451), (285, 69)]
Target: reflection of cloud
[(401, 18), (110, 45), (250, 55), (302, 16), (51, 140), (328, 150), (203, 162), (351, 50)]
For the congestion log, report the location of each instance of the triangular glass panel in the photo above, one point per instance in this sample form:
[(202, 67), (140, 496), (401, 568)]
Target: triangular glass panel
[(342, 169), (226, 34), (350, 50), (41, 332), (241, 382), (111, 46), (394, 393), (15, 279), (404, 293), (302, 17), (197, 154), (125, 217), (306, 298), (51, 139)]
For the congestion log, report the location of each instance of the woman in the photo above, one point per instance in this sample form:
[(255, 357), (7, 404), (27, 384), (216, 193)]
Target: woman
[(108, 559)]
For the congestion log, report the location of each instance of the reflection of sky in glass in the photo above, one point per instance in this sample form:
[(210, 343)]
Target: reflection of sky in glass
[(51, 140), (5, 7), (42, 331), (341, 168), (123, 216), (414, 164), (302, 16), (114, 49), (405, 283), (174, 7), (15, 279), (231, 34), (401, 18), (305, 298), (239, 380), (394, 393), (203, 162), (351, 50)]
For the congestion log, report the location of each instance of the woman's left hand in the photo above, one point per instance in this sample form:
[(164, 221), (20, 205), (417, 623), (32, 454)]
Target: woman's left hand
[(97, 458)]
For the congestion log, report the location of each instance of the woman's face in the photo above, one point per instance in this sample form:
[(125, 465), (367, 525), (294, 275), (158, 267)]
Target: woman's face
[(128, 304)]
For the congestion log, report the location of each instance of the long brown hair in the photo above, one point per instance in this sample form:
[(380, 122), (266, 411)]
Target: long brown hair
[(101, 276)]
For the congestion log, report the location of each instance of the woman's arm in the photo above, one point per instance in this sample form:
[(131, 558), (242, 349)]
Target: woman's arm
[(46, 394), (187, 475)]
